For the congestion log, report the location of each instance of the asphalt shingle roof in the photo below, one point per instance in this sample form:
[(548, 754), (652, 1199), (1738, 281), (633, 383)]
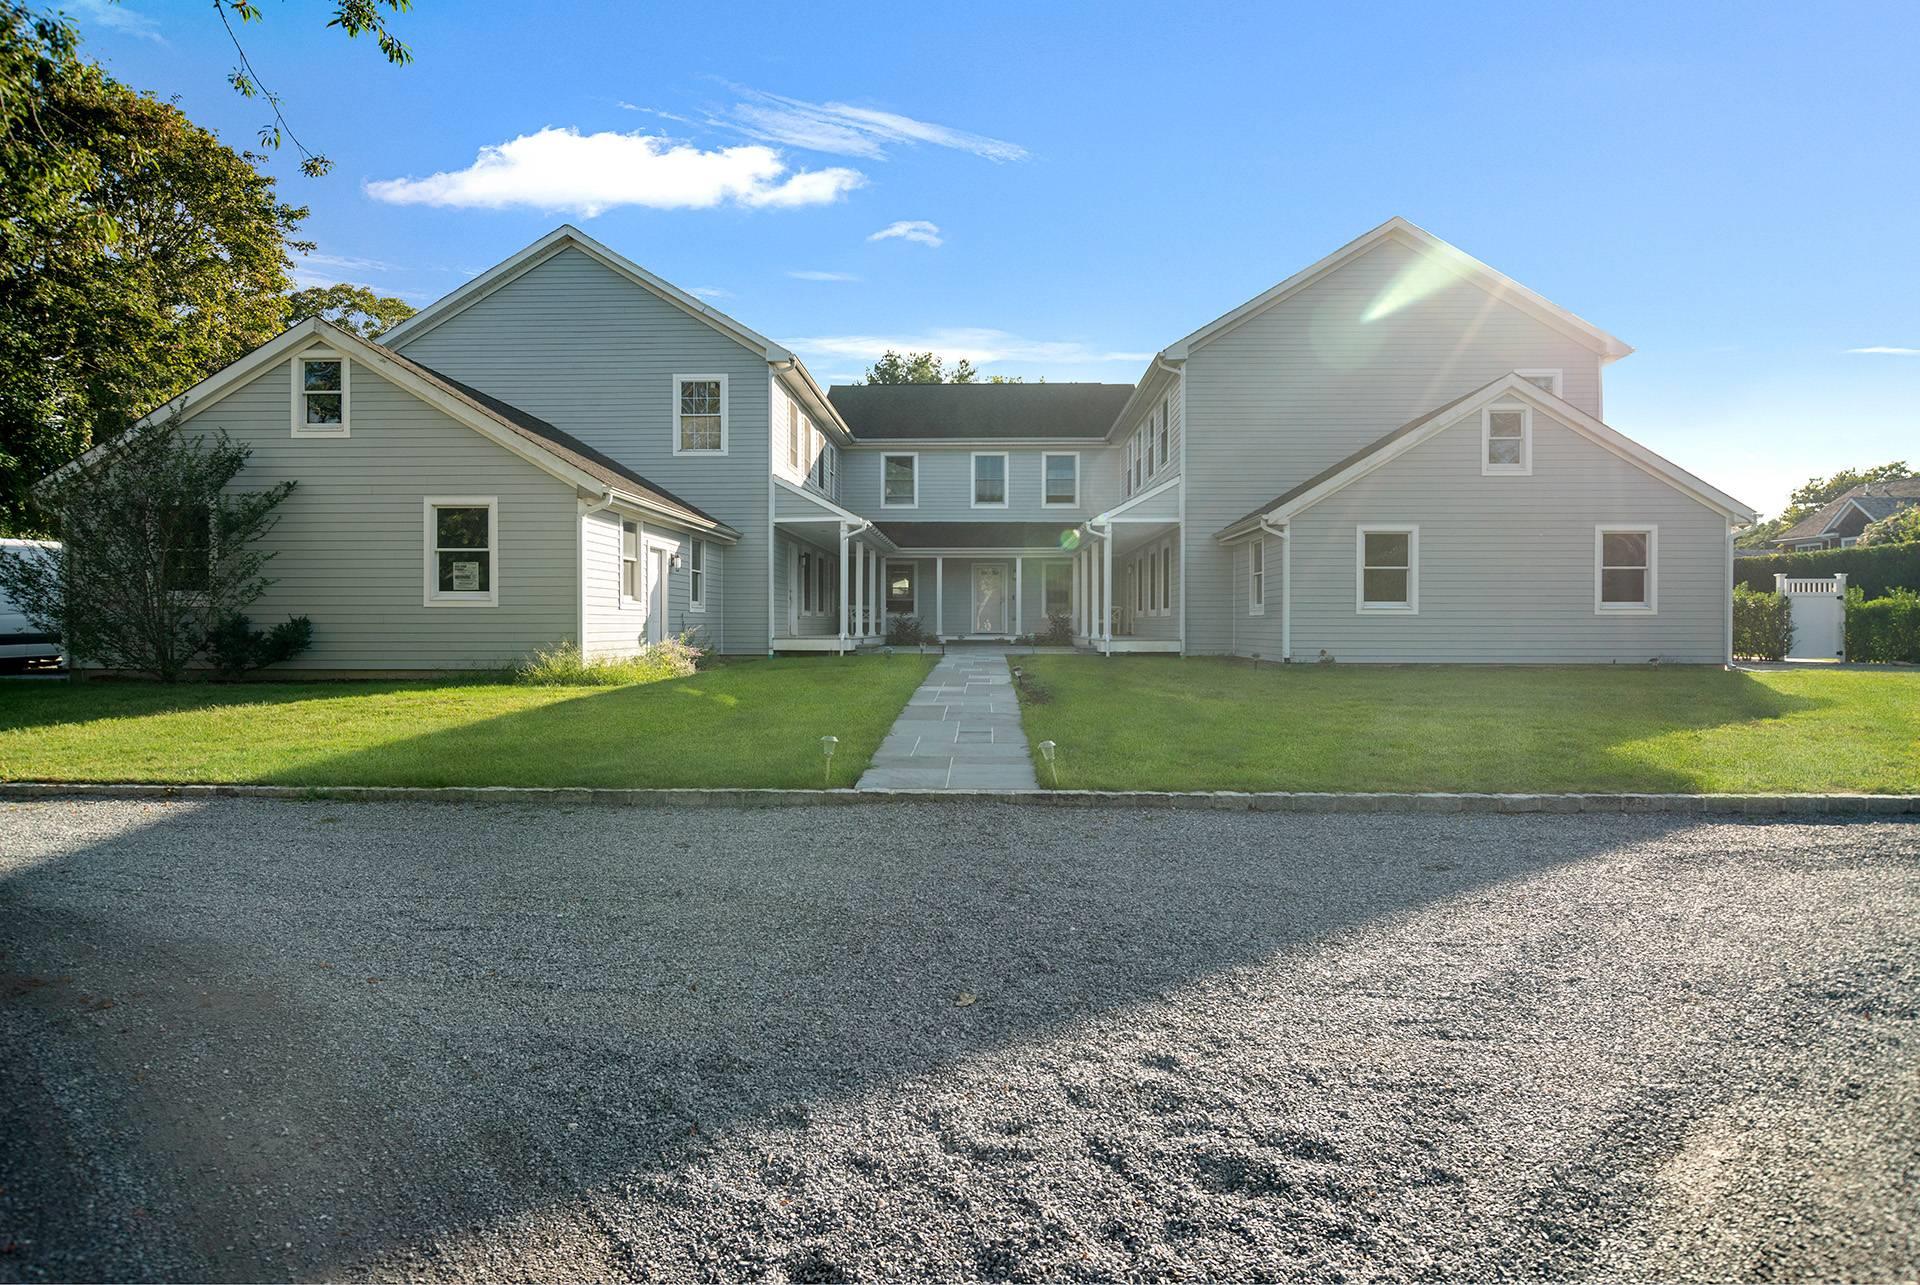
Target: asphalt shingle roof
[(1879, 499), (934, 411)]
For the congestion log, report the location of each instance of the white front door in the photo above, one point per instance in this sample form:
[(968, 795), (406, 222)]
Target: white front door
[(989, 597), (656, 595)]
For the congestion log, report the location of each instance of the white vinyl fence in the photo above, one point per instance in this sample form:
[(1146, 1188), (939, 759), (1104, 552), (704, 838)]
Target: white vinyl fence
[(1819, 616)]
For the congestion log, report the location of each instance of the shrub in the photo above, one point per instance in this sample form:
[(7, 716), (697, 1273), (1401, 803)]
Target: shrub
[(906, 631), (235, 647), (1874, 568), (1884, 629), (1762, 624), (563, 666)]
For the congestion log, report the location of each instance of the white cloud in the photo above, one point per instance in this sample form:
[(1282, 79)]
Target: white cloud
[(815, 274), (563, 169), (845, 130), (348, 262), (1884, 350), (977, 344), (120, 18), (917, 230), (710, 292), (304, 279)]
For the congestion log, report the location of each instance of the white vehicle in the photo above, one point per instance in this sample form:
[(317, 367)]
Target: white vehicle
[(22, 644)]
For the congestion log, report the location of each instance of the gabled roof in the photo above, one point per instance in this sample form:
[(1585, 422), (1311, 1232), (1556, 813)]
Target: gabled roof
[(1412, 433), (1874, 499), (531, 438), (979, 412), (566, 237), (1422, 242)]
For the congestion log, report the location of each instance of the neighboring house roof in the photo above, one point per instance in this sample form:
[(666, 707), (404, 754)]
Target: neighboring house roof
[(533, 439), (1415, 431), (1874, 499), (1423, 242), (978, 535), (978, 412)]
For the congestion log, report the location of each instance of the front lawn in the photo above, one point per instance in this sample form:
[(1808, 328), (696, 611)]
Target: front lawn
[(750, 723), (1161, 723)]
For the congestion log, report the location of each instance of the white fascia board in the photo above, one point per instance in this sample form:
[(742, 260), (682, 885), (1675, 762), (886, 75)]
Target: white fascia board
[(897, 444), (1420, 241), (1114, 514), (564, 237), (805, 389), (1512, 386), (1161, 371)]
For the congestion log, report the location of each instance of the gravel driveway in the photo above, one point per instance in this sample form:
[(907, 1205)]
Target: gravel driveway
[(247, 1040)]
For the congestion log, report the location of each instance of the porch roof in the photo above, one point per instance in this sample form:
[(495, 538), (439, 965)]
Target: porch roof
[(980, 535)]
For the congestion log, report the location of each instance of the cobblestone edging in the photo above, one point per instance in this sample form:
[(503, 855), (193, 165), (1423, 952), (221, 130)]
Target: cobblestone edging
[(1232, 801)]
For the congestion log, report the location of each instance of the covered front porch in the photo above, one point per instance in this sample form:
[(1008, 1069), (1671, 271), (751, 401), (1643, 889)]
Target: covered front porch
[(1128, 585), (825, 585)]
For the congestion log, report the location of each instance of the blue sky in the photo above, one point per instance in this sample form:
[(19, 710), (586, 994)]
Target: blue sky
[(1732, 189)]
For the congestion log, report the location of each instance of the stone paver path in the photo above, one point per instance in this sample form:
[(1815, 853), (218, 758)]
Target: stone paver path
[(960, 731)]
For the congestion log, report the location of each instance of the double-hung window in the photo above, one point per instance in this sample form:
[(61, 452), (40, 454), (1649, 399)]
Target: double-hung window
[(903, 597), (899, 481), (1059, 480), (462, 536), (793, 436), (1626, 569), (1126, 466), (699, 414), (1387, 568), (1166, 579), (1506, 441), (1166, 405), (631, 587), (990, 480), (1146, 447), (697, 576), (804, 569), (320, 406), (1056, 588), (1257, 577)]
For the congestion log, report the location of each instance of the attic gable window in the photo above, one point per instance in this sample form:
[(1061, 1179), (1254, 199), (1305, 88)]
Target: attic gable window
[(320, 406), (1506, 441), (1547, 381), (699, 414)]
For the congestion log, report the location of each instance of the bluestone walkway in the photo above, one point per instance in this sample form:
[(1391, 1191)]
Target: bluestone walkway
[(960, 731)]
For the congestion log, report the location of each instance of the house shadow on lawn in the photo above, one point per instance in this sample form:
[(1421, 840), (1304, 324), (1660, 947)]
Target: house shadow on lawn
[(311, 1037)]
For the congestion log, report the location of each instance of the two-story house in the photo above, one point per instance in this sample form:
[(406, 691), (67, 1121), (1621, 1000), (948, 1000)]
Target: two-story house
[(1396, 454)]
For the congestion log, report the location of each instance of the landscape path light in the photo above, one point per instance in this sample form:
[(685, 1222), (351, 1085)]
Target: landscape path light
[(1046, 752), (827, 746)]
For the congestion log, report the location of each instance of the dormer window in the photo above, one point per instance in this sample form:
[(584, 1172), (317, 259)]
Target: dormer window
[(320, 407), (1506, 441)]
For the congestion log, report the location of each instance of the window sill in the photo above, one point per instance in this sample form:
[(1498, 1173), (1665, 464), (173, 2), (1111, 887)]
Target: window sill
[(1505, 470), (1386, 609), (323, 432), (1626, 611), (477, 600)]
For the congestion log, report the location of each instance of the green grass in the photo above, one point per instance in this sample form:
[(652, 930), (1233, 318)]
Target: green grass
[(752, 723), (1150, 722)]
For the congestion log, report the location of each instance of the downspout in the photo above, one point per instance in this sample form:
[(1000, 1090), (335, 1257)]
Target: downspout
[(587, 510), (1286, 587)]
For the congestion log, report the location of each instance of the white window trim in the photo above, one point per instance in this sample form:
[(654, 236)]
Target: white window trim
[(628, 602), (673, 416), (1411, 607), (704, 550), (432, 597), (300, 426), (1048, 570), (1006, 479), (886, 579), (1257, 577), (793, 435), (1166, 429), (1165, 556), (1652, 605), (1045, 503), (1544, 370), (1525, 467), (914, 503), (1151, 432)]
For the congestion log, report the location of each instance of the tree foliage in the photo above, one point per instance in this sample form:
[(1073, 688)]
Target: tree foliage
[(160, 550), (138, 255), (1896, 528), (1816, 491), (355, 308), (919, 368)]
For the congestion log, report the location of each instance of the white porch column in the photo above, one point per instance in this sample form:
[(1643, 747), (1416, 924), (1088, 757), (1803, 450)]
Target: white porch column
[(859, 622), (939, 599), (1106, 590), (1018, 562), (1080, 613), (843, 582)]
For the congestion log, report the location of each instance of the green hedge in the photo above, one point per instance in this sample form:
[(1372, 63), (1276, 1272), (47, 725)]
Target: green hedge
[(1762, 624), (1874, 570), (1884, 629)]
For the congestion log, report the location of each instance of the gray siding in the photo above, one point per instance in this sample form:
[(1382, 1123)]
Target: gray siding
[(1311, 380), (618, 628), (1249, 634), (1506, 564), (946, 485), (824, 620), (594, 354), (351, 540)]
